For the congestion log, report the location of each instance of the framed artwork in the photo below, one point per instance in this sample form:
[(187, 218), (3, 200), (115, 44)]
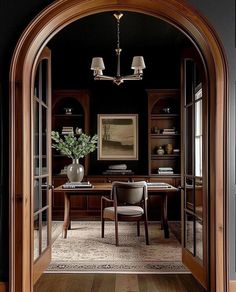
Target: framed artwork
[(118, 137)]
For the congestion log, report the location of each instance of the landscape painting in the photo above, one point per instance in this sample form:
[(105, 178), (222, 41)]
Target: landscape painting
[(118, 137)]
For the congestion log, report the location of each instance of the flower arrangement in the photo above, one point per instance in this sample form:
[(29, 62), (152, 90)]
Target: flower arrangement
[(72, 146)]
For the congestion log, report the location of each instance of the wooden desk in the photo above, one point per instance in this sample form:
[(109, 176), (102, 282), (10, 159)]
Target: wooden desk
[(104, 189)]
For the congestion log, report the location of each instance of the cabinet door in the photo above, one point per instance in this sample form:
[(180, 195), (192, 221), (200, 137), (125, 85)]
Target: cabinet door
[(41, 165), (194, 168)]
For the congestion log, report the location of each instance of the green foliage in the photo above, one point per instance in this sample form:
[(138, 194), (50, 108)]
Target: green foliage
[(74, 146)]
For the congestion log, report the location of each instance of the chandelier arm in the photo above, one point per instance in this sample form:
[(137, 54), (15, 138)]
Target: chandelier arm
[(132, 77), (118, 49), (104, 77)]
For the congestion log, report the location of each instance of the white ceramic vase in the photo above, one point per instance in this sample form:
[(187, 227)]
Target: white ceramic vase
[(75, 171)]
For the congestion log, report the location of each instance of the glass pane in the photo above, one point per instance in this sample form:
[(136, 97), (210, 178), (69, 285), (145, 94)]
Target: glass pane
[(36, 237), (36, 83), (36, 138), (198, 138), (45, 230), (44, 65), (189, 232), (189, 150), (189, 195), (199, 239), (199, 197), (189, 81), (37, 195), (44, 141), (44, 191)]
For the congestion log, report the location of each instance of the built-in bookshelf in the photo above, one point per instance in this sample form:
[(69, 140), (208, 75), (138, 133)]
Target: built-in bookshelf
[(164, 132)]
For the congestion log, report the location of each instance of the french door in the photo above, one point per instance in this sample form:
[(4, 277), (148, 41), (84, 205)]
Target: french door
[(194, 167), (41, 165)]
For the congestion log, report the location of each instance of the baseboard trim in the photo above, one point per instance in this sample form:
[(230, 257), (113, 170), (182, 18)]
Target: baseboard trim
[(232, 286), (3, 286)]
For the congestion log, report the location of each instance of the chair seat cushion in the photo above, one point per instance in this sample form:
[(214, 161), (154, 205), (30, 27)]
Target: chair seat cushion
[(123, 210)]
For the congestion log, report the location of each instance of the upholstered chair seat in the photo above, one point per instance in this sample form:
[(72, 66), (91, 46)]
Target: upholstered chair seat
[(109, 212)]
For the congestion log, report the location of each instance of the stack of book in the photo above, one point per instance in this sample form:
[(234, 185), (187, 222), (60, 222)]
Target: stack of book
[(170, 131), (67, 130), (118, 169), (165, 170), (77, 185)]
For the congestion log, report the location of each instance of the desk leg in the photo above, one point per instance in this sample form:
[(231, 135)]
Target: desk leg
[(66, 224), (164, 215)]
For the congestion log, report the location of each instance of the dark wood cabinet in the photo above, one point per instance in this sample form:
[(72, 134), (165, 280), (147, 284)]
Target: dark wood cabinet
[(88, 207)]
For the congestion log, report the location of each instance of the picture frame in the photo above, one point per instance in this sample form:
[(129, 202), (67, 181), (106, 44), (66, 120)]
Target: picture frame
[(117, 136)]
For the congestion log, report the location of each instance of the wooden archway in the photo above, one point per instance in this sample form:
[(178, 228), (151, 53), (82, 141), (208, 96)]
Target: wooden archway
[(35, 37)]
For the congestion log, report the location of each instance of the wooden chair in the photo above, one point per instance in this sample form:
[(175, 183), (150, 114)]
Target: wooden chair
[(129, 203)]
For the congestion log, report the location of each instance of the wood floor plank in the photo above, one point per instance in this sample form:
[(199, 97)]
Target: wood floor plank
[(103, 284), (190, 282), (126, 283), (65, 282), (117, 283), (164, 283), (146, 283)]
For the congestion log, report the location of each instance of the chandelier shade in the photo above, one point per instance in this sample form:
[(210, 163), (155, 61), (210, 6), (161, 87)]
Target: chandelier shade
[(138, 63), (97, 65)]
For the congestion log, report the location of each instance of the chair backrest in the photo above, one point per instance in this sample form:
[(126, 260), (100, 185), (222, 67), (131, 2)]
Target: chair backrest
[(129, 192)]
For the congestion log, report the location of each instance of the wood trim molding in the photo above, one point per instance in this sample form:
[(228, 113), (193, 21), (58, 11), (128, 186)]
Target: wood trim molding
[(3, 286), (37, 34)]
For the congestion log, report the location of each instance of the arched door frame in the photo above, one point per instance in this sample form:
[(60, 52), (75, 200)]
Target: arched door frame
[(34, 38)]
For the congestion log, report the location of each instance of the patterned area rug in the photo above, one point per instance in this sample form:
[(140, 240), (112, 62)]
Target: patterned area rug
[(85, 251)]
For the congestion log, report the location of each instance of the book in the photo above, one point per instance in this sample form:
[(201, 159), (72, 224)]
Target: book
[(165, 172), (67, 130), (75, 185), (117, 166), (119, 172), (158, 185), (165, 169)]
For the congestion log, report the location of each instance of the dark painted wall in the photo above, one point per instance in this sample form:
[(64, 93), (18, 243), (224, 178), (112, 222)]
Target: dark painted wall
[(15, 15), (222, 16)]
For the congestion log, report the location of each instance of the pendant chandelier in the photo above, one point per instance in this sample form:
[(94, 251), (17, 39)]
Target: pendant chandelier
[(137, 64)]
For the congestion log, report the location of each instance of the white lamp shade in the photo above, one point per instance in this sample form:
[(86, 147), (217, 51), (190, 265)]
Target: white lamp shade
[(138, 63), (97, 64)]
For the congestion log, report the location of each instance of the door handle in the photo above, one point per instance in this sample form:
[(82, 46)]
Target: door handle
[(50, 187), (180, 188), (46, 186)]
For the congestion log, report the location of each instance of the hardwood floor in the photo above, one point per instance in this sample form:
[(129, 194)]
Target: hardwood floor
[(117, 283)]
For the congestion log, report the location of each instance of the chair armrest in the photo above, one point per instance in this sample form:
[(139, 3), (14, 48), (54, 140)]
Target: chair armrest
[(106, 199)]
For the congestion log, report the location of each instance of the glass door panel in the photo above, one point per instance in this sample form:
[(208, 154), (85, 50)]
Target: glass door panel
[(45, 77), (41, 179), (195, 194), (189, 199), (36, 237), (189, 140), (45, 230), (189, 78), (199, 239), (44, 141), (189, 232)]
